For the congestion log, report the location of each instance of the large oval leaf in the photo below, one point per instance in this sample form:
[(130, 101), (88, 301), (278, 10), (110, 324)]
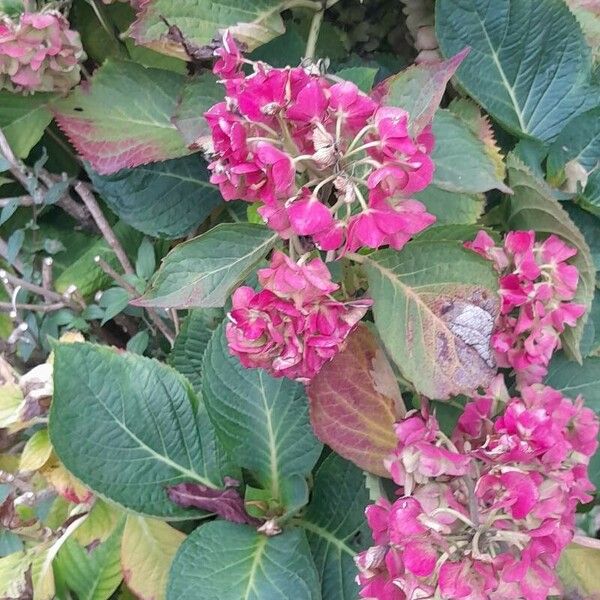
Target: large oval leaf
[(226, 561), (188, 351), (128, 427), (202, 272), (166, 199), (533, 207), (435, 307), (261, 421), (123, 119), (336, 527), (578, 572), (529, 65), (355, 401)]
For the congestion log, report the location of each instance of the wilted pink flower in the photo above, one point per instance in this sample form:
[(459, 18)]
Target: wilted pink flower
[(536, 288), (39, 53), (293, 326), (310, 151), (493, 526)]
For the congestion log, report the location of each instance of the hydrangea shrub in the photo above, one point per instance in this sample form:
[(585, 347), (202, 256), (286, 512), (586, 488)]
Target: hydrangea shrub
[(299, 302)]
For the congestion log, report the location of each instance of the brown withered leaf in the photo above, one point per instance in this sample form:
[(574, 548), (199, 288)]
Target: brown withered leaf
[(435, 309), (354, 402)]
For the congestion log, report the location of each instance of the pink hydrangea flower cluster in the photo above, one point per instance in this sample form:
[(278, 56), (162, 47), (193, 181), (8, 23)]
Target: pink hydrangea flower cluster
[(325, 160), (39, 53), (486, 514), (293, 325), (537, 286)]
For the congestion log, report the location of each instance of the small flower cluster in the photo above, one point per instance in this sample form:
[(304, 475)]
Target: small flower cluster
[(536, 288), (484, 515), (292, 326), (324, 159), (39, 53)]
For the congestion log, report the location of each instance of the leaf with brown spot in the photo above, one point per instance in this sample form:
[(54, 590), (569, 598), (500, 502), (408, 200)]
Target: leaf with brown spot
[(435, 308), (354, 402)]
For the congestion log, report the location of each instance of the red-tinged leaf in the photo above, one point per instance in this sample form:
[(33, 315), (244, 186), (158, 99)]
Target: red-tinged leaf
[(123, 118), (354, 402), (419, 89), (227, 503)]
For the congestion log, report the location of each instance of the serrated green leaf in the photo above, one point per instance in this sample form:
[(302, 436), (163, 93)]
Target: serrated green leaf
[(202, 272), (166, 199), (445, 304), (532, 206), (261, 421), (589, 198), (129, 426), (124, 118), (590, 342), (363, 77), (23, 119), (188, 352), (91, 575), (237, 562), (335, 526), (462, 163), (529, 65)]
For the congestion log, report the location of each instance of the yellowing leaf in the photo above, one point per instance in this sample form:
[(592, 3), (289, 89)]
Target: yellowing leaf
[(10, 400), (98, 525), (37, 451), (65, 483), (13, 583), (147, 550), (578, 572)]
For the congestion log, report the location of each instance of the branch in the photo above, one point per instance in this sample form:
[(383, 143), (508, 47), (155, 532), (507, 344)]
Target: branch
[(43, 308), (87, 196), (133, 293), (36, 289)]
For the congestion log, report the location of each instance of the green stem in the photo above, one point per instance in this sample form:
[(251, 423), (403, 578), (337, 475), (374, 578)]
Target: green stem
[(313, 34)]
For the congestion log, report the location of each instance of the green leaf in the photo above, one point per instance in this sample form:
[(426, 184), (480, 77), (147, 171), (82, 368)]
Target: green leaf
[(251, 23), (124, 118), (335, 526), (147, 551), (532, 206), (202, 273), (138, 343), (128, 427), (462, 163), (589, 226), (91, 575), (114, 301), (146, 260), (529, 65), (589, 199), (197, 96), (23, 119), (166, 199), (261, 421), (188, 352), (579, 141), (444, 302), (239, 563), (451, 208), (590, 343), (363, 77)]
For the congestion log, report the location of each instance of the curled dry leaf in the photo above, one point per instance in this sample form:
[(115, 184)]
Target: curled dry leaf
[(354, 402)]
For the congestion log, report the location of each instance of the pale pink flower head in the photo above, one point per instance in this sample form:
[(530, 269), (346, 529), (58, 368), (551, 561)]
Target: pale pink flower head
[(39, 53)]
